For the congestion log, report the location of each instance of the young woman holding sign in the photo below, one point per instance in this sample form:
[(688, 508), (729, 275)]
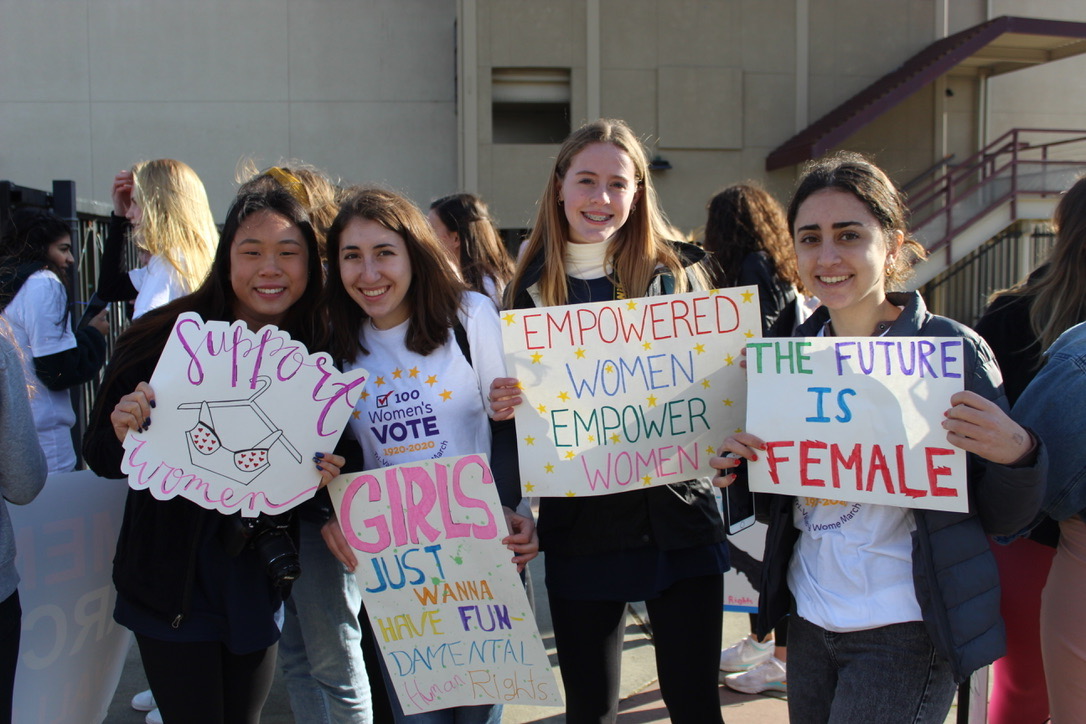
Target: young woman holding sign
[(398, 309), (205, 620), (892, 606), (599, 235)]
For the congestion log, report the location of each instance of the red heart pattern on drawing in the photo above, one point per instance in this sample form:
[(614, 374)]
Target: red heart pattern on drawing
[(249, 460), (204, 439)]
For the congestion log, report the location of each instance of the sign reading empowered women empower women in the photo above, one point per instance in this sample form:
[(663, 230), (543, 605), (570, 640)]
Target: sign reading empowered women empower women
[(446, 604), (629, 393), (857, 419)]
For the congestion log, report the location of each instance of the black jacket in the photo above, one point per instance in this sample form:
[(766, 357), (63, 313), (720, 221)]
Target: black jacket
[(954, 572)]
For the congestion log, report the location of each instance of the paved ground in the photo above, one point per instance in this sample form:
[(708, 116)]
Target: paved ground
[(641, 702)]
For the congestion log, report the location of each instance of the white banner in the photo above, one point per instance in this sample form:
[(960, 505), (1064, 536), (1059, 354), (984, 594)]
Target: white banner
[(857, 419), (630, 393), (239, 416), (449, 611), (72, 652)]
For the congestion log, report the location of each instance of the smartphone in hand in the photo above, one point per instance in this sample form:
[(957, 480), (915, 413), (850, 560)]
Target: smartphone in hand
[(738, 503)]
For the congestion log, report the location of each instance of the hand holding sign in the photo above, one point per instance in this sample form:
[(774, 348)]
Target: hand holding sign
[(979, 426)]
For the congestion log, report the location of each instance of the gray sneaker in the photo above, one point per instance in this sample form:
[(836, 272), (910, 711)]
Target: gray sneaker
[(745, 655), (769, 676)]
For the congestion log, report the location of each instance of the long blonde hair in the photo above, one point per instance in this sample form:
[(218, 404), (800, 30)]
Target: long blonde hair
[(177, 224), (635, 252)]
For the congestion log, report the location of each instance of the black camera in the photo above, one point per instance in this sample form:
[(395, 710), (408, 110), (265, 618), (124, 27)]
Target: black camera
[(269, 536)]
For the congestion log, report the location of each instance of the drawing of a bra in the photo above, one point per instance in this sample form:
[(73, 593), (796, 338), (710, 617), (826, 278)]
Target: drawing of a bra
[(207, 451)]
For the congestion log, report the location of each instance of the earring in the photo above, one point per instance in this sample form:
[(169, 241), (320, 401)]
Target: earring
[(633, 207)]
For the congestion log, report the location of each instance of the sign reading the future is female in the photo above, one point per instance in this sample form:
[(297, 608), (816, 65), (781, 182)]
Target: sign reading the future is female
[(857, 419), (629, 393), (238, 417), (449, 611)]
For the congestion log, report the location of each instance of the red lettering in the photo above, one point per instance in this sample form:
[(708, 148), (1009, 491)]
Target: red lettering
[(721, 314), (878, 466), (773, 459), (935, 472), (853, 462), (911, 492), (806, 459)]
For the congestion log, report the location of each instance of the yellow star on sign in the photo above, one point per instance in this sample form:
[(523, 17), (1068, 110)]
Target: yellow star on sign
[(609, 369), (710, 451), (549, 467), (397, 374), (748, 297), (563, 396), (413, 372), (570, 494), (729, 360), (699, 348), (727, 403), (537, 358), (579, 353), (379, 381), (615, 439), (631, 304), (647, 480), (570, 455), (748, 334), (542, 409), (592, 438), (706, 384), (528, 487), (529, 440), (647, 345), (652, 401), (356, 414), (509, 318), (431, 380), (739, 429), (713, 292), (446, 395)]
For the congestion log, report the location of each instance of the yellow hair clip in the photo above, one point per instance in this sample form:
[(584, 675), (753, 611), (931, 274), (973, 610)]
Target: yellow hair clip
[(291, 183)]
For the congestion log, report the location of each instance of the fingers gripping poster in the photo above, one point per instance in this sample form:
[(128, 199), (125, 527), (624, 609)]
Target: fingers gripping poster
[(857, 419), (630, 393), (447, 606), (238, 417)]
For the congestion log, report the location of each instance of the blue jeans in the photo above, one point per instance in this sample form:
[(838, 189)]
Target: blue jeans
[(321, 647), (891, 674)]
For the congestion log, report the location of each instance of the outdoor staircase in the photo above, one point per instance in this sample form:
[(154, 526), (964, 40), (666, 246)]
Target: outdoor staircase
[(1017, 177)]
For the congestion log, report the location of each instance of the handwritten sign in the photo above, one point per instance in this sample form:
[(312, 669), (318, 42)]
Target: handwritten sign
[(630, 393), (239, 416), (449, 611), (857, 419)]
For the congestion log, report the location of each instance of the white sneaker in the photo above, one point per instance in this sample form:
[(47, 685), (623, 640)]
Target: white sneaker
[(771, 675), (144, 701), (745, 655), (153, 717)]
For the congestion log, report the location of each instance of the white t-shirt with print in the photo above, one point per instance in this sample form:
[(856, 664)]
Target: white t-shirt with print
[(417, 408), (157, 283), (38, 316)]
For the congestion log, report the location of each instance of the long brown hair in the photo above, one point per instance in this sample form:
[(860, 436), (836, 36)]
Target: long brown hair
[(482, 253), (639, 247), (434, 293), (745, 219), (1059, 292)]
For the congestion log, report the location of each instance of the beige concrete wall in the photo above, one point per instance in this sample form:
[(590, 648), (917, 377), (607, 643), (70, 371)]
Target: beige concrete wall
[(362, 88)]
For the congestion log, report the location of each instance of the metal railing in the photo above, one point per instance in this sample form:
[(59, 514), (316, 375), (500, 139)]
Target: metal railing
[(962, 291), (1021, 163)]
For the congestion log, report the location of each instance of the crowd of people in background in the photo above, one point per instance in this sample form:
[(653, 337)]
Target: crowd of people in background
[(876, 620)]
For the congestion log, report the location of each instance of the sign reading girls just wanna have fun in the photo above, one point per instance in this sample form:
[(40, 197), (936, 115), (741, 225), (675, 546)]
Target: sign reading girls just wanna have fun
[(628, 393), (857, 419), (447, 607)]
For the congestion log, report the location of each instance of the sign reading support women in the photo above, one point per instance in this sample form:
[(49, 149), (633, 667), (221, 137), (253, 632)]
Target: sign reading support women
[(629, 393), (449, 611), (857, 419), (238, 417)]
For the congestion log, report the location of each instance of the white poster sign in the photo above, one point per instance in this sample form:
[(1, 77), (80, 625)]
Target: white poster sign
[(238, 417), (449, 611), (630, 393), (857, 419), (71, 653)]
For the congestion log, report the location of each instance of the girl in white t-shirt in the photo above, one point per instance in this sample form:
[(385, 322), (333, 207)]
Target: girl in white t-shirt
[(37, 253), (398, 309), (891, 605), (163, 206)]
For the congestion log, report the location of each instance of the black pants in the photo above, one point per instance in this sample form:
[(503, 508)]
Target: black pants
[(686, 627), (203, 682), (11, 627)]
